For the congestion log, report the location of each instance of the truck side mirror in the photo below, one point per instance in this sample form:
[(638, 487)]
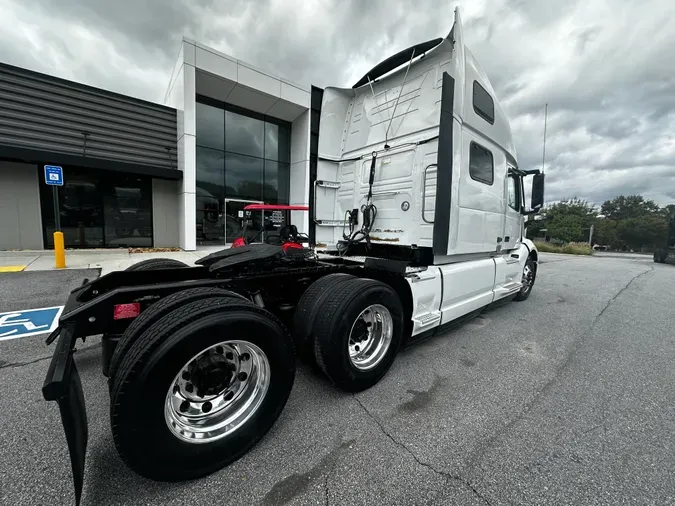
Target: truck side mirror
[(537, 200)]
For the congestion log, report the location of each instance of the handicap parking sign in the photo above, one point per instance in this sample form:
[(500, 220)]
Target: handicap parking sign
[(54, 175), (29, 322)]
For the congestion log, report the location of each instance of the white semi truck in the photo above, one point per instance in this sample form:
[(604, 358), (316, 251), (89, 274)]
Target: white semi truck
[(417, 214)]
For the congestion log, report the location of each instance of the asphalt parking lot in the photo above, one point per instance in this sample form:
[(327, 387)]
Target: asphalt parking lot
[(566, 398)]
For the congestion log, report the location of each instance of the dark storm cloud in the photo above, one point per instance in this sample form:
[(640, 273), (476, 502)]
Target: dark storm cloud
[(606, 71)]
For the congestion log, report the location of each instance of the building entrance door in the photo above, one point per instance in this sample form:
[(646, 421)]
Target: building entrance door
[(235, 217)]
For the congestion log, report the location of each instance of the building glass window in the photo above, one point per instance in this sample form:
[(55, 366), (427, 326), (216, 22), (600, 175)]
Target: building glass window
[(210, 126), (211, 171), (252, 164), (277, 178), (99, 209), (244, 135), (277, 143), (243, 177)]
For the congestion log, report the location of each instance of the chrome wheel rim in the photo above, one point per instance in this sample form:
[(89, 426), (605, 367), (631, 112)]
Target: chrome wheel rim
[(217, 391), (528, 277), (370, 337)]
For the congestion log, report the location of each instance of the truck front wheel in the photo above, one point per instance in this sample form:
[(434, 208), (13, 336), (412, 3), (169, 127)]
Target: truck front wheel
[(529, 275), (200, 388), (358, 333)]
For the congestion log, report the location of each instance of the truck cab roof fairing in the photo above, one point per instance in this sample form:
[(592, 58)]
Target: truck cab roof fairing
[(397, 60)]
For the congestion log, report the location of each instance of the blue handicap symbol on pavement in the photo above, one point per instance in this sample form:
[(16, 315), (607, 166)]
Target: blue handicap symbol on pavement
[(14, 324)]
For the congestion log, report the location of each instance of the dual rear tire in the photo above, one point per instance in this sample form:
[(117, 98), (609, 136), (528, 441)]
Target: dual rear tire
[(200, 384), (201, 375), (351, 327)]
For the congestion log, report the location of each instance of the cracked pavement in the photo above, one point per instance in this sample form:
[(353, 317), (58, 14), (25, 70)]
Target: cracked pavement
[(565, 398)]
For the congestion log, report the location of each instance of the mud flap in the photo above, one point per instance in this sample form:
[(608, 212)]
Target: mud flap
[(64, 386)]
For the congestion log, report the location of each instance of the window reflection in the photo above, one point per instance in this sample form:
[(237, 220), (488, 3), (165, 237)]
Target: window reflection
[(209, 214), (244, 135), (277, 142), (211, 171), (243, 177), (100, 209), (276, 187), (238, 157), (210, 126), (127, 209)]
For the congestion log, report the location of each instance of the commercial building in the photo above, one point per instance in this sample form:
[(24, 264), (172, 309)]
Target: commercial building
[(139, 174)]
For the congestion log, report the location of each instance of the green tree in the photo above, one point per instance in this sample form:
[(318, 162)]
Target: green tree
[(626, 207), (570, 220), (566, 227), (605, 233), (631, 222)]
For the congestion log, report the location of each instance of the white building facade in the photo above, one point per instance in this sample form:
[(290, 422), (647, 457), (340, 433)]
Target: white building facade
[(242, 137)]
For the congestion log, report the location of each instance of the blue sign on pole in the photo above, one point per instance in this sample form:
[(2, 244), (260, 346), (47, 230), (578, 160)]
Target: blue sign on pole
[(54, 175), (29, 322)]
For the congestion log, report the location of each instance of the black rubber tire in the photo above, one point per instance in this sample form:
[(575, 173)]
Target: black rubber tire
[(148, 265), (309, 305), (153, 314), (139, 429), (156, 263), (341, 306), (525, 291)]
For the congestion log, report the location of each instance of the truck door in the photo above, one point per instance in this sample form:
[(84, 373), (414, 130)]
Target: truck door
[(512, 229)]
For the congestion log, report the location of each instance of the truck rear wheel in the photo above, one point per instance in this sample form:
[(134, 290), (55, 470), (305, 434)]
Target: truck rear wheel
[(156, 263), (154, 313), (111, 342), (200, 388), (309, 306), (358, 334)]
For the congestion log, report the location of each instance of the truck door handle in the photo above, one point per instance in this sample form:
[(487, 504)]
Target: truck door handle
[(499, 239), (507, 238)]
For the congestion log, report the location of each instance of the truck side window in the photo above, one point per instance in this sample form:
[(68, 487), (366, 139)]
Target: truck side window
[(481, 164), (483, 103), (513, 193)]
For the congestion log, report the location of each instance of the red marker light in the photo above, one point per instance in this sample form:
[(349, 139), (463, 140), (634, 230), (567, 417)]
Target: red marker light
[(123, 311)]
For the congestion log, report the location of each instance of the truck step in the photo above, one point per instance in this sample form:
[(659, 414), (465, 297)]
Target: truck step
[(427, 319)]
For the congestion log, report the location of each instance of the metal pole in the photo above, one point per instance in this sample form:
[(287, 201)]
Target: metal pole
[(57, 214), (543, 156), (59, 243), (590, 236)]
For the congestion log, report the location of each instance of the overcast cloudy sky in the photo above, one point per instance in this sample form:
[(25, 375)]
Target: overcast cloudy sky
[(606, 67)]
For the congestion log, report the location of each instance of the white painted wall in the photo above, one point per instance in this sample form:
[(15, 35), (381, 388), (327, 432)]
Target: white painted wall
[(21, 226), (181, 95), (165, 213), (299, 171)]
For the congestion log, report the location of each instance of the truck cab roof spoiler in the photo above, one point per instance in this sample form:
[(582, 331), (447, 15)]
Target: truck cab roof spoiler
[(397, 60)]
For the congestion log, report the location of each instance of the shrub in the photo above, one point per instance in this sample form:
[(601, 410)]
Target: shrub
[(571, 248)]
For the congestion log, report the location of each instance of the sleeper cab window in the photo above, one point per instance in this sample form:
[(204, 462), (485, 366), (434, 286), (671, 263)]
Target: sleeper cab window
[(481, 164), (483, 103), (513, 193)]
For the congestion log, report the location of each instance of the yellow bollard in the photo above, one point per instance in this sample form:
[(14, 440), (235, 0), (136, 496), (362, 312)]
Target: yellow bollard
[(59, 250)]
